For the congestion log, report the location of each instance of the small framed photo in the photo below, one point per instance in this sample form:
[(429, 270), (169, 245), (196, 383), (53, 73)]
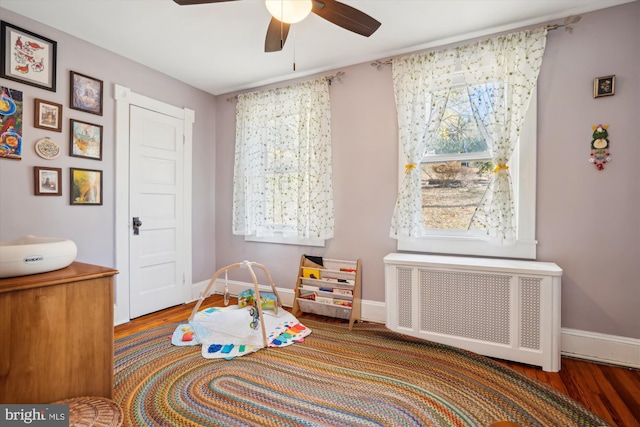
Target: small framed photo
[(27, 57), (86, 93), (48, 115), (86, 140), (604, 86), (86, 187), (47, 181)]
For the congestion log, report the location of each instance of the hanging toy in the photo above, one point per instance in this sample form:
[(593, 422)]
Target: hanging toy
[(600, 146), (226, 289), (255, 318)]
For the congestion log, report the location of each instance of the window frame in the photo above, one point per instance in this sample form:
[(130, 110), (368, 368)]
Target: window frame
[(522, 167)]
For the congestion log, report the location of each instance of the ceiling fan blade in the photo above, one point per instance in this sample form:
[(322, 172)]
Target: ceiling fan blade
[(346, 17), (276, 36), (189, 2)]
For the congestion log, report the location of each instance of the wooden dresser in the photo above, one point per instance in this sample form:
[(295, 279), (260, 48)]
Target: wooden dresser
[(56, 335)]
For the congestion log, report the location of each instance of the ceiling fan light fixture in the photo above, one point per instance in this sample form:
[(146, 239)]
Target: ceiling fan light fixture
[(289, 11)]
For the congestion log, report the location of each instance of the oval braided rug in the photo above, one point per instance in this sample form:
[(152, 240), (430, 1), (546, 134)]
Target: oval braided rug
[(368, 376)]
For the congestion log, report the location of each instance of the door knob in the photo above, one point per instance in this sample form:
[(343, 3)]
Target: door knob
[(136, 225)]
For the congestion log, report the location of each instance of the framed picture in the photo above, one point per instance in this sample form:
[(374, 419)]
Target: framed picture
[(27, 58), (86, 93), (10, 123), (47, 181), (48, 115), (86, 140), (604, 86), (86, 187)]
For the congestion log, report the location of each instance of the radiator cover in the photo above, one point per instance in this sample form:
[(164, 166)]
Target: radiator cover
[(500, 308)]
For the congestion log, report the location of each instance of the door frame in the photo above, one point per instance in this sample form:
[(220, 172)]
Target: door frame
[(124, 98)]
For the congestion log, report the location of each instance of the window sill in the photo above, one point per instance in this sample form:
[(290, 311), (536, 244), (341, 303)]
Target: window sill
[(459, 245), (282, 240)]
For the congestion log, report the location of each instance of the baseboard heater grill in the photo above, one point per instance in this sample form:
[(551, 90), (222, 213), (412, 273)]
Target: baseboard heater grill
[(500, 308)]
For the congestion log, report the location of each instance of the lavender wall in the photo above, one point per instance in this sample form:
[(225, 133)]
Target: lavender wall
[(588, 221), (92, 227)]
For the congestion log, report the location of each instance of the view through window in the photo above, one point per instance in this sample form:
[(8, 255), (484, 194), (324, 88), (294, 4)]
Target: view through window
[(457, 169)]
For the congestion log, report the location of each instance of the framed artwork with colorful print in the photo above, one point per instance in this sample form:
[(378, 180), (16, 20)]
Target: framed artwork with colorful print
[(10, 123), (86, 140), (47, 181), (86, 187), (47, 115), (86, 94), (27, 57)]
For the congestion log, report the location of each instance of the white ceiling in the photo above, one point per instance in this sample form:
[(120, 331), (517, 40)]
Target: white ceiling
[(219, 48)]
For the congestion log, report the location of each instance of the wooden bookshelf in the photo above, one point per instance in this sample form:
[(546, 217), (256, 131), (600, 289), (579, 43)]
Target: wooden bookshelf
[(331, 289)]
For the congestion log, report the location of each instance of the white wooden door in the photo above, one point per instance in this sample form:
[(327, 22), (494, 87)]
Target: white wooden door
[(156, 199)]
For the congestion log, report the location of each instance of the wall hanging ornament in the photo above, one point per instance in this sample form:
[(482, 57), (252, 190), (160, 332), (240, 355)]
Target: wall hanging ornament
[(600, 146)]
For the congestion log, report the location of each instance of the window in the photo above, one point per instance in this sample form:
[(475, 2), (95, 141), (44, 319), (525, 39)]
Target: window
[(457, 167), (466, 119), (282, 173), (450, 228)]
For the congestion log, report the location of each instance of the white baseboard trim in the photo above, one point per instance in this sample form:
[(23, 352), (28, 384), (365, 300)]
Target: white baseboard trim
[(575, 343), (236, 287), (601, 348), (371, 311)]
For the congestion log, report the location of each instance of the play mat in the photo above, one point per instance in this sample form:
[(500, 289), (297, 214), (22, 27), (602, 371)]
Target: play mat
[(256, 322)]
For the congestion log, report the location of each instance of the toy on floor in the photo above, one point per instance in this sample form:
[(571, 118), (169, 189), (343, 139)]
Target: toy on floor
[(246, 298), (187, 333), (268, 300), (227, 332), (221, 330)]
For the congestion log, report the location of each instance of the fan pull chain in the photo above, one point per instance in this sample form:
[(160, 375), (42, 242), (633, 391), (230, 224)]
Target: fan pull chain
[(294, 47), (281, 35)]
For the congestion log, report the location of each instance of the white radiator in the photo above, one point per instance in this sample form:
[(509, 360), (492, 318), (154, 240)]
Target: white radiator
[(500, 308)]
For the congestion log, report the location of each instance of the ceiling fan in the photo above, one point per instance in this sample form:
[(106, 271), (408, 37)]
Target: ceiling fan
[(333, 11)]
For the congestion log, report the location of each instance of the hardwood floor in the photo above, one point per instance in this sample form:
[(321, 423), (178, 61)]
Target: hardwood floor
[(612, 392)]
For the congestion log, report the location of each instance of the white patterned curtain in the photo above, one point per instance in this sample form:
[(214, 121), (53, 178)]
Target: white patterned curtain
[(504, 71), (507, 67), (421, 85), (282, 172)]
